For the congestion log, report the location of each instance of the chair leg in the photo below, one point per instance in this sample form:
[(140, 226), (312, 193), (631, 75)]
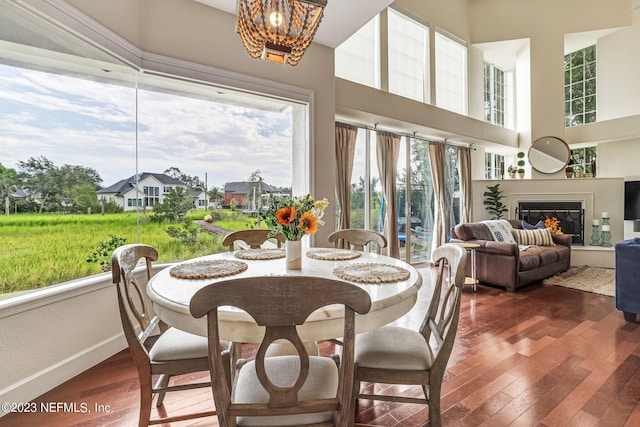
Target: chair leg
[(435, 419), (629, 317), (354, 401), (146, 396), (163, 382)]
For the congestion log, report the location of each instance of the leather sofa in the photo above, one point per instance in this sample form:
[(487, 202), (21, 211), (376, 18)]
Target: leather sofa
[(504, 264)]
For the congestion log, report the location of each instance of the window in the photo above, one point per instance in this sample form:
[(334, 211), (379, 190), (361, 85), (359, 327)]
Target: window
[(166, 190), (408, 57), (494, 94), (583, 161), (69, 120), (494, 166), (451, 74), (580, 87), (358, 58)]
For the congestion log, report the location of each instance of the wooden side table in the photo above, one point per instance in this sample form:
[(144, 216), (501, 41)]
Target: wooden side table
[(471, 250)]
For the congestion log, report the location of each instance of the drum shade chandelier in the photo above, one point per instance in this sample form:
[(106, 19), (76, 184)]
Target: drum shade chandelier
[(278, 30)]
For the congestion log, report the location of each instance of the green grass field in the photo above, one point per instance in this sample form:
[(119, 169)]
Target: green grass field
[(37, 250)]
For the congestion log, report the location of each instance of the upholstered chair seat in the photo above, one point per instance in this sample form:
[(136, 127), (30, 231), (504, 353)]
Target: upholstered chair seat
[(406, 348)]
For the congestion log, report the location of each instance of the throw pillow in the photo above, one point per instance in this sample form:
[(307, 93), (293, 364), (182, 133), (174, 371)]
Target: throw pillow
[(527, 226), (540, 237)]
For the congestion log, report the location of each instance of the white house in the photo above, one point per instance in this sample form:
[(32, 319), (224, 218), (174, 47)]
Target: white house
[(146, 190)]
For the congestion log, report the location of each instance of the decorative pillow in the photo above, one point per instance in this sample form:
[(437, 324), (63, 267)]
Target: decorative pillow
[(540, 237), (527, 226), (540, 224), (501, 229)]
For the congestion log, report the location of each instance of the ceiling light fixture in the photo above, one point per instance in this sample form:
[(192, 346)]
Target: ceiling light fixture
[(278, 30)]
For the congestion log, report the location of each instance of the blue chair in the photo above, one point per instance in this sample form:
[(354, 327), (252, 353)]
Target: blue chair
[(628, 278)]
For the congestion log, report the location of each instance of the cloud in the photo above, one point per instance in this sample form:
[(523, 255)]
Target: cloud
[(81, 122)]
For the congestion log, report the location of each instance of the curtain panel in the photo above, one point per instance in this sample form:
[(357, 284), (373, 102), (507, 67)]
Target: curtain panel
[(345, 151), (437, 156), (464, 160), (387, 151)]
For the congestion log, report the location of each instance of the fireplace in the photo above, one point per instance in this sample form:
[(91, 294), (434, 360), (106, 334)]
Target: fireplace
[(569, 214)]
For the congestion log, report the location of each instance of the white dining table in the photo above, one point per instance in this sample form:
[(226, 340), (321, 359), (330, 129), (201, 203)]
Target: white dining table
[(170, 297)]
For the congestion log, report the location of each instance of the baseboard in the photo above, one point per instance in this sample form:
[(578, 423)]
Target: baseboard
[(41, 382)]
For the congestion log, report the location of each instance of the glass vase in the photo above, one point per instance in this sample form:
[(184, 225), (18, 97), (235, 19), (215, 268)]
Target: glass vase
[(293, 249)]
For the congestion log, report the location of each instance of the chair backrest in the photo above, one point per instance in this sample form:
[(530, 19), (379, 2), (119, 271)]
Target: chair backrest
[(134, 313), (441, 321), (254, 238), (280, 304), (357, 239)]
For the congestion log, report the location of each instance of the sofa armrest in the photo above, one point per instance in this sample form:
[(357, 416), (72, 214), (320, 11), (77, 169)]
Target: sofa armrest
[(492, 247), (562, 239)]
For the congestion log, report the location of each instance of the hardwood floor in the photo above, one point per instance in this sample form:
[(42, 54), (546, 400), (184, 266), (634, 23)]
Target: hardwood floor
[(545, 356)]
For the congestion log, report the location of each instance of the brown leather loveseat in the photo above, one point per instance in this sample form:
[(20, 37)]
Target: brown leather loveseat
[(504, 264)]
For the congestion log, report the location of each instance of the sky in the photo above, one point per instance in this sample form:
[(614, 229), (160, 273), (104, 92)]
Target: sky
[(81, 122)]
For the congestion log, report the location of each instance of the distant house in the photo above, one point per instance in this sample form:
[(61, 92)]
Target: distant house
[(242, 192), (151, 189)]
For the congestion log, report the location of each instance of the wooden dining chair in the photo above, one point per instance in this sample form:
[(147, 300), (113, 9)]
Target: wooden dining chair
[(282, 390), (174, 352), (397, 355), (357, 239), (254, 238)]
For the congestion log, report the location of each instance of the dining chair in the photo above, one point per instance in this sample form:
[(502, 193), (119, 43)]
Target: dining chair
[(173, 352), (282, 390), (254, 238), (397, 355), (357, 239)]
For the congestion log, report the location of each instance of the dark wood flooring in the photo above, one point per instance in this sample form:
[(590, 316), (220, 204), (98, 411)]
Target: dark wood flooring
[(545, 356)]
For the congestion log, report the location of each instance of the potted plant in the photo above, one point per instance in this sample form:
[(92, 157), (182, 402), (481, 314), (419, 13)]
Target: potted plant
[(493, 201), (569, 171)]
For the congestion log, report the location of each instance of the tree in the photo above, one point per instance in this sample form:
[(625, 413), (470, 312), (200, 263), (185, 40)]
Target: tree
[(55, 188), (175, 206), (9, 180), (215, 194), (192, 182), (39, 178)]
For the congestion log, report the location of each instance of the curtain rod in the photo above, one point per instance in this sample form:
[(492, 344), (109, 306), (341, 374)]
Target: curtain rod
[(408, 135)]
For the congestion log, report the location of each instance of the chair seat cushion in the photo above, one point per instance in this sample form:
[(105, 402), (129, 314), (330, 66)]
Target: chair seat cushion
[(176, 344), (322, 383), (392, 347)]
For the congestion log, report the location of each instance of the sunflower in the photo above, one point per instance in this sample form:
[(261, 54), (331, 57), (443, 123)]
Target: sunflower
[(286, 215), (308, 222)]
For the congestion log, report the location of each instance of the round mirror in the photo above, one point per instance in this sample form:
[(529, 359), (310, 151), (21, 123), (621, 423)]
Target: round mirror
[(549, 154)]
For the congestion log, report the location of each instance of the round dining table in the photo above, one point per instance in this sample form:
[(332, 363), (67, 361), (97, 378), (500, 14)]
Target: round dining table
[(390, 299)]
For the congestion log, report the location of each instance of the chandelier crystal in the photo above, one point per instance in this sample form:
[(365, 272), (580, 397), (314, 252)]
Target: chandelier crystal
[(278, 30)]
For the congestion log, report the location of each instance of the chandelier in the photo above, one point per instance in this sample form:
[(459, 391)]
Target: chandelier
[(278, 30)]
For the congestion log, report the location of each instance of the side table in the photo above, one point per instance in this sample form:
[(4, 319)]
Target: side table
[(471, 250)]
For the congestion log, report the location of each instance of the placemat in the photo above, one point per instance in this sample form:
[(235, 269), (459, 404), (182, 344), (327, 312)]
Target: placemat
[(371, 273), (258, 254), (332, 254), (208, 269)]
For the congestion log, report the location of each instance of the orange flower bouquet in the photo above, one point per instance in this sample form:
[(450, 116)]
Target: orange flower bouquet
[(295, 217), (553, 224)]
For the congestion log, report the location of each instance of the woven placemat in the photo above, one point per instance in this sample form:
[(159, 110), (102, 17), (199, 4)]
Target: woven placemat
[(371, 273), (257, 254), (208, 269), (330, 254)]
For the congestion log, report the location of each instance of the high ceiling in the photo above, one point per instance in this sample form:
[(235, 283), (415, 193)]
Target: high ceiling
[(341, 17)]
